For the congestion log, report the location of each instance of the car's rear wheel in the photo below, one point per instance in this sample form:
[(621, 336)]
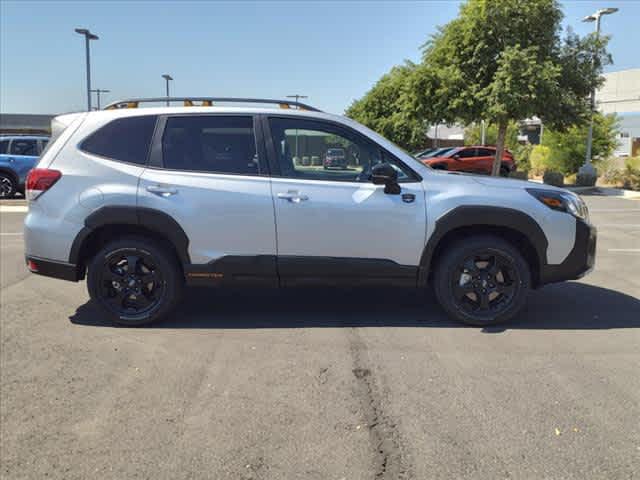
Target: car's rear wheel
[(482, 280), (504, 171), (8, 186), (135, 281)]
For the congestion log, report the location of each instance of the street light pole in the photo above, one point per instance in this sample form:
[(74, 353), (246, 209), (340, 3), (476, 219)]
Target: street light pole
[(88, 36), (587, 171), (167, 77), (297, 97), (98, 91)]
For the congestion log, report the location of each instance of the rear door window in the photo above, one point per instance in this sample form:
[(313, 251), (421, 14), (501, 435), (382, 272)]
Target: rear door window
[(124, 139), (467, 153), (485, 152), (26, 146), (210, 143)]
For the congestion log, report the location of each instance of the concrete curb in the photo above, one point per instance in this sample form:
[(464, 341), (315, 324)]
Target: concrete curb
[(619, 192)]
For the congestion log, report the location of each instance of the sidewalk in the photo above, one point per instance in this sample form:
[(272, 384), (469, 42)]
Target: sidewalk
[(606, 191)]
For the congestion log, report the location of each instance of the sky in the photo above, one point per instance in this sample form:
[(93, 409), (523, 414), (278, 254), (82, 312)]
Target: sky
[(332, 51)]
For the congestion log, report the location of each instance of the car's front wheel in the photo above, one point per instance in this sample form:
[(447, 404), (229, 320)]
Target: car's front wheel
[(8, 186), (482, 280), (135, 281)]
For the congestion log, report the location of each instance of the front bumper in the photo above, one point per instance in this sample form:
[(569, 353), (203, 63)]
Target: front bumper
[(580, 260)]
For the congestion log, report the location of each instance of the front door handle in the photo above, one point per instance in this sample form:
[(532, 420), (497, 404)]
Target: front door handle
[(292, 196), (162, 190)]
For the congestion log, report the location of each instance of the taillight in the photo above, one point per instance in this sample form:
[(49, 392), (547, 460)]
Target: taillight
[(40, 180)]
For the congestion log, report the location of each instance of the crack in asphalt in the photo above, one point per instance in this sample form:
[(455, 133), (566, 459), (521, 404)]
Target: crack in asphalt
[(384, 436)]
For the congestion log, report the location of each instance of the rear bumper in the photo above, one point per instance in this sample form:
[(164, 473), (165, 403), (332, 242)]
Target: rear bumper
[(53, 268), (580, 260)]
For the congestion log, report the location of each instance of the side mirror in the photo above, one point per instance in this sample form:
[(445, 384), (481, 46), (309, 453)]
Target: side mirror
[(456, 157), (385, 174)]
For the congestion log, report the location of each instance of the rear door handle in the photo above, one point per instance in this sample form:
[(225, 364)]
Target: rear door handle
[(162, 190), (292, 197)]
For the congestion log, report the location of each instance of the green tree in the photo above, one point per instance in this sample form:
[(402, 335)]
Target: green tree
[(383, 109), (473, 135), (567, 148), (504, 60)]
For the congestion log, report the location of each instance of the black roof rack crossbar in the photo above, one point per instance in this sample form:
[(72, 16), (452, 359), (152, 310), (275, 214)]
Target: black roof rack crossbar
[(133, 102)]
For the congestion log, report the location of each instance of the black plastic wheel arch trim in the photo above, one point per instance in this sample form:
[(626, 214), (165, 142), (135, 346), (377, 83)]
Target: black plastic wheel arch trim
[(478, 216), (149, 218)]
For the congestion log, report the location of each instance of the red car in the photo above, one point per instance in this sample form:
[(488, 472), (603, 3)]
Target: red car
[(474, 159)]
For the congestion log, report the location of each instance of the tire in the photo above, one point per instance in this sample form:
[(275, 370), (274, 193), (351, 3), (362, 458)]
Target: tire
[(146, 295), (504, 172), (482, 280), (8, 187)]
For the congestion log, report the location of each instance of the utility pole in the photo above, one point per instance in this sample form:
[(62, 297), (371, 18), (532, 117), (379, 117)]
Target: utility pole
[(484, 134), (167, 78), (297, 97), (98, 91), (88, 36), (587, 170)]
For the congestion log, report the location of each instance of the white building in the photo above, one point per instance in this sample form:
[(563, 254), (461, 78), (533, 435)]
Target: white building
[(620, 94)]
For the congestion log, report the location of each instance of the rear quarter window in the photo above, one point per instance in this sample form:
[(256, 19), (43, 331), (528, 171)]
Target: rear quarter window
[(124, 139)]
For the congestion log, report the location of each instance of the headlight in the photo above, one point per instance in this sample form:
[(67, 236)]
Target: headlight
[(567, 202)]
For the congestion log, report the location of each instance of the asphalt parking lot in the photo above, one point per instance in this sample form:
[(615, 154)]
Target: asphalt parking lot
[(325, 384)]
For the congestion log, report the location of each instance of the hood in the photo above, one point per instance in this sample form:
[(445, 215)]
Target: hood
[(501, 182)]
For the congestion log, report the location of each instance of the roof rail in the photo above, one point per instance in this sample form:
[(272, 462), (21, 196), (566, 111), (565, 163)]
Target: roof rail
[(207, 102)]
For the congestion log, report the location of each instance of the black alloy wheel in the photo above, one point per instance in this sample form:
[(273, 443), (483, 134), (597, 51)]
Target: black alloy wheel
[(135, 280), (7, 186), (482, 280), (131, 282), (485, 283)]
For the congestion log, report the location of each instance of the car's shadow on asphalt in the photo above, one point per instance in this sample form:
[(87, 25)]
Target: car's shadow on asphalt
[(562, 306)]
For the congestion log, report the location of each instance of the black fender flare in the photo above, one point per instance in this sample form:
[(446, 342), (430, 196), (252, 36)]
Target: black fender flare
[(154, 220), (488, 216)]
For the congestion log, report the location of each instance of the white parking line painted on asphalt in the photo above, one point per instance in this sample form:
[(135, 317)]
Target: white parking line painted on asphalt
[(14, 209), (624, 250), (10, 234)]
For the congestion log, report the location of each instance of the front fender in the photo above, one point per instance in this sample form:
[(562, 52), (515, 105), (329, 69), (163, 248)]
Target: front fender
[(489, 216)]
